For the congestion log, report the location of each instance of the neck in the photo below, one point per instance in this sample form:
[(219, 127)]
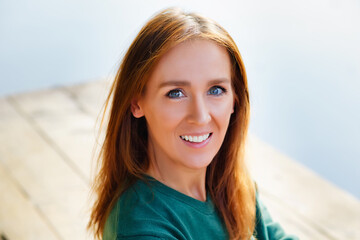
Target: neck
[(189, 182)]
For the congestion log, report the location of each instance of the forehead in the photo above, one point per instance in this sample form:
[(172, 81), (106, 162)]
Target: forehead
[(193, 60)]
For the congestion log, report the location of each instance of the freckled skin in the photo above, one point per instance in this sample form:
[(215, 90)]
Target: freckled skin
[(196, 106)]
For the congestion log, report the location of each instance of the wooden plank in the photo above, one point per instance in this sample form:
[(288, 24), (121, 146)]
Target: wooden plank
[(330, 210), (63, 123), (91, 96), (54, 187), (19, 218), (291, 221)]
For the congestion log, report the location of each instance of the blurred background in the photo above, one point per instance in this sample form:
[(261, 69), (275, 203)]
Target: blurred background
[(302, 60)]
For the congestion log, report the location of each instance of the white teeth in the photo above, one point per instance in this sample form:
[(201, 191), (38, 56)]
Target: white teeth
[(195, 138)]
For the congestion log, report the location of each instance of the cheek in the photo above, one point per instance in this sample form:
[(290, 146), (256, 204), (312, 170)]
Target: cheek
[(164, 116), (225, 106), (223, 113)]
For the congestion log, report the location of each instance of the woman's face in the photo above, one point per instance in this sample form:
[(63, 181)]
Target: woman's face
[(187, 104)]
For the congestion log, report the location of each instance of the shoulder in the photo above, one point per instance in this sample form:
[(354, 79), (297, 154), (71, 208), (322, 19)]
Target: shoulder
[(266, 228), (134, 216)]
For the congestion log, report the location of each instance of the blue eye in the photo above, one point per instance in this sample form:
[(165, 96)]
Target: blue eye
[(217, 91), (176, 93)]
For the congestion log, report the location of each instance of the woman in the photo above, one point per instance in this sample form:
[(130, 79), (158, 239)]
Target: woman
[(172, 164)]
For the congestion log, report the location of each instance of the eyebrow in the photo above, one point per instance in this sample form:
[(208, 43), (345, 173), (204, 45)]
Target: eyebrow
[(188, 83)]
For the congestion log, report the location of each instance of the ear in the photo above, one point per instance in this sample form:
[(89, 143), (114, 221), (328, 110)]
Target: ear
[(136, 109)]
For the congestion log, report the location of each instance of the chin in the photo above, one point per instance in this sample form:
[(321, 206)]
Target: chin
[(198, 163)]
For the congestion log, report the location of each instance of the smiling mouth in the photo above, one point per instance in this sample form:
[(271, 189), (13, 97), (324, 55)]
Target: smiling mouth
[(195, 139)]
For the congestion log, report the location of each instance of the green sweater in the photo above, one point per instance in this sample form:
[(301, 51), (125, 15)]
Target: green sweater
[(152, 211)]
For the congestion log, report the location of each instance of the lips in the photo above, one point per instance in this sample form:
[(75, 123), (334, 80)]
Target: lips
[(196, 139)]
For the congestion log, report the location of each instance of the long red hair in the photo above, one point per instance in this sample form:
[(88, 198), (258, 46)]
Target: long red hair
[(123, 156)]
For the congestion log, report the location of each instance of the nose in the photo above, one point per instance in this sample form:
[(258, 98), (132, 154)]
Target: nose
[(199, 111)]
